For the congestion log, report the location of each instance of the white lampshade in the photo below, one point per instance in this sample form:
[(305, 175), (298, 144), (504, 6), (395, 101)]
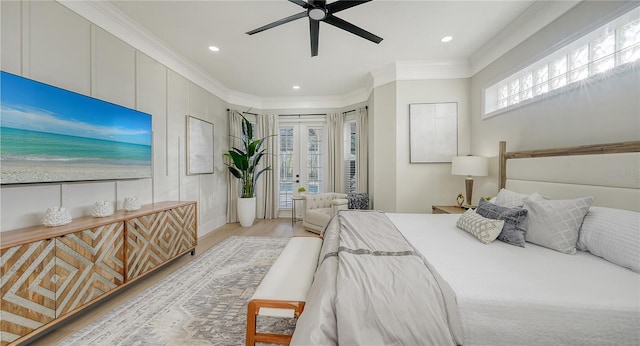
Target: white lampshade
[(470, 165)]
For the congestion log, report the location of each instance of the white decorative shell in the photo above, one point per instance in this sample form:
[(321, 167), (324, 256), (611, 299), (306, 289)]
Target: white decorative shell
[(56, 216), (131, 204), (102, 209)]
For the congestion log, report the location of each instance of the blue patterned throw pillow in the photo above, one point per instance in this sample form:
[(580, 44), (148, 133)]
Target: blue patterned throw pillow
[(358, 201), (514, 220)]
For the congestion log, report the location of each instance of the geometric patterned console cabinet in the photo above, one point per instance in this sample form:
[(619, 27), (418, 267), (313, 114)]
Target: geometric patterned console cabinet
[(50, 273)]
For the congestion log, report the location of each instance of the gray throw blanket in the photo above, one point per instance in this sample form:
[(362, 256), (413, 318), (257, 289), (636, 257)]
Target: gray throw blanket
[(372, 288)]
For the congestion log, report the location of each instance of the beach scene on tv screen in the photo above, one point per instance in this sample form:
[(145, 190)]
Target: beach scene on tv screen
[(48, 134)]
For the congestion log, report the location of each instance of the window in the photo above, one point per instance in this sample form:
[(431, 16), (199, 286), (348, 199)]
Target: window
[(350, 155), (614, 44)]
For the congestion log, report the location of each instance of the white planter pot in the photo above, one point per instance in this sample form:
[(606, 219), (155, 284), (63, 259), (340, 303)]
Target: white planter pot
[(246, 211)]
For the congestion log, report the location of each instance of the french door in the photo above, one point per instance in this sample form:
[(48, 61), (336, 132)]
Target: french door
[(303, 145)]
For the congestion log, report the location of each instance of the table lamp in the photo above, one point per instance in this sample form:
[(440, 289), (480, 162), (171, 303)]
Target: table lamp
[(470, 166)]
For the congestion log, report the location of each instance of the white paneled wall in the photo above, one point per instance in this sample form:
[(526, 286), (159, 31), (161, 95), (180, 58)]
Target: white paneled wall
[(151, 97), (45, 41), (56, 46), (142, 189), (10, 22), (210, 194), (25, 206), (80, 197), (113, 68), (177, 107)]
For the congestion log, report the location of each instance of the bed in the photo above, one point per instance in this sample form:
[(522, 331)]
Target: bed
[(420, 279)]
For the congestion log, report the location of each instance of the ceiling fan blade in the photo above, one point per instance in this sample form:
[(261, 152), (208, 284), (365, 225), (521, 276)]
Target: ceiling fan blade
[(278, 22), (317, 3), (300, 3), (341, 5), (314, 31), (344, 25)]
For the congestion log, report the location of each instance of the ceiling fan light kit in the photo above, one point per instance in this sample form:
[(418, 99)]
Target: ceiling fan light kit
[(318, 11)]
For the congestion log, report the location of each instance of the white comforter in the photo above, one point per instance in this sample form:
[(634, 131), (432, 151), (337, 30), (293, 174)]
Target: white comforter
[(372, 288), (507, 295)]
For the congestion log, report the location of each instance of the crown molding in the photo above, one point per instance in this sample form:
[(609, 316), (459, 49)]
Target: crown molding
[(421, 70), (384, 75), (536, 17), (317, 102), (432, 69)]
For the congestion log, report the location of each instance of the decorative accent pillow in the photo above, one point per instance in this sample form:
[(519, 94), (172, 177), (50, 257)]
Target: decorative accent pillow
[(555, 224), (512, 232), (486, 230), (613, 234), (509, 199), (358, 201)]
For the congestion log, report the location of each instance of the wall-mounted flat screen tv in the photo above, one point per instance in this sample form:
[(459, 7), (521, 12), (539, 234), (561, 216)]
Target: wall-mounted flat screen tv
[(48, 134)]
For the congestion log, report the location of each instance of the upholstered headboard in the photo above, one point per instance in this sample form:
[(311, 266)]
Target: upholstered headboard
[(609, 172)]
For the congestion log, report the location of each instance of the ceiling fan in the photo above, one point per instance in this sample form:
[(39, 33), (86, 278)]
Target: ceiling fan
[(319, 11)]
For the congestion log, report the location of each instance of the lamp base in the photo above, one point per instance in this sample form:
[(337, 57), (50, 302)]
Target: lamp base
[(468, 182)]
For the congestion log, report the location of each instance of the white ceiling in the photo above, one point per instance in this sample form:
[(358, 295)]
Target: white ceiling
[(268, 64)]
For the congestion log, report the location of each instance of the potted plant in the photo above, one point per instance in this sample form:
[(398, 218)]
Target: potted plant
[(243, 164), (301, 190)]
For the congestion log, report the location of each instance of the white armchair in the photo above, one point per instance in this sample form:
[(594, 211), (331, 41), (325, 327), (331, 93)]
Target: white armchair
[(319, 208)]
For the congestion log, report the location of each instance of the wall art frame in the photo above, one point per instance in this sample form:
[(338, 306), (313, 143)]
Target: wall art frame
[(433, 132), (200, 154)]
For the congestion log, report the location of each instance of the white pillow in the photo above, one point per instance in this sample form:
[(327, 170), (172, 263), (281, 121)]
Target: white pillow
[(613, 234), (509, 199), (555, 224), (486, 230)]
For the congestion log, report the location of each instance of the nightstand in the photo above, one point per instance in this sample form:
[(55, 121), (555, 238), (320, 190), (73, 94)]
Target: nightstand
[(447, 209)]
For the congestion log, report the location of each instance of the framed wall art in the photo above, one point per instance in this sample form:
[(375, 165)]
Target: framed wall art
[(199, 146), (433, 132)]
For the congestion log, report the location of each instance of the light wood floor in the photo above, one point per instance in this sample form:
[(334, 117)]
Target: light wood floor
[(270, 228)]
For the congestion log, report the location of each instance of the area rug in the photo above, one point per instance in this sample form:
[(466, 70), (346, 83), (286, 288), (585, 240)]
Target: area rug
[(202, 303)]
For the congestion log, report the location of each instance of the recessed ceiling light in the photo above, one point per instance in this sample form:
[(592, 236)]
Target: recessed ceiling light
[(446, 39), (296, 87), (214, 49)]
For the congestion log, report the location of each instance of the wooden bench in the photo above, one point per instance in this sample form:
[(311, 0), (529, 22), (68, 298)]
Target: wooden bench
[(283, 291)]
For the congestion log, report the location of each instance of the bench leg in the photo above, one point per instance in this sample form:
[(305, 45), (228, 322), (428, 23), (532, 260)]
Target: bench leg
[(253, 308), (273, 339), (252, 314)]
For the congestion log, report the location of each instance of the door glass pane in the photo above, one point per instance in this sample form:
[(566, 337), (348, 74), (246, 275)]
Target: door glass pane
[(286, 167), (315, 167), (302, 147)]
